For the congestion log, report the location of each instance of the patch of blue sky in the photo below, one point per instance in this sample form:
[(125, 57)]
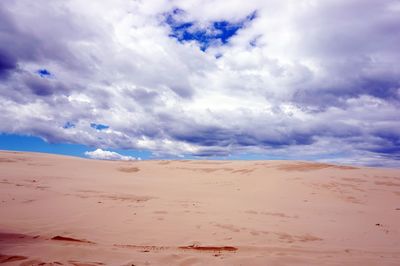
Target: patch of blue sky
[(217, 32), (98, 126), (69, 125), (44, 73), (15, 142)]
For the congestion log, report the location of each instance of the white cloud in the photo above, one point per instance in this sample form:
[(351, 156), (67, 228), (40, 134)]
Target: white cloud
[(108, 155)]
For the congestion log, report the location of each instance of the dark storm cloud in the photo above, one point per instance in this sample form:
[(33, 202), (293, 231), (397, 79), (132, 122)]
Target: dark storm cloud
[(44, 87), (322, 98), (7, 64), (204, 135), (210, 152)]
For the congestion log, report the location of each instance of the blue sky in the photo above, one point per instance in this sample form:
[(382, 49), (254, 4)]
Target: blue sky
[(305, 80), (219, 31), (15, 142)]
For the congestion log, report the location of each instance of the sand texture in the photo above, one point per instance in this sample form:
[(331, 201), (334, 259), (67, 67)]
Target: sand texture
[(58, 210)]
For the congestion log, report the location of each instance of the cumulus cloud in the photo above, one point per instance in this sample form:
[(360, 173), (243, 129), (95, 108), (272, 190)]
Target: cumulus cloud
[(282, 79), (100, 154)]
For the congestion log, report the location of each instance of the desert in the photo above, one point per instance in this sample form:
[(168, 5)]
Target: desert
[(200, 132), (60, 210)]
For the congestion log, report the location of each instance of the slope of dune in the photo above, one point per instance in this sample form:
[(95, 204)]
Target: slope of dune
[(58, 210)]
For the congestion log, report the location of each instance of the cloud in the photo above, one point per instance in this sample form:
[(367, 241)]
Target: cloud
[(279, 79), (100, 154), (7, 64)]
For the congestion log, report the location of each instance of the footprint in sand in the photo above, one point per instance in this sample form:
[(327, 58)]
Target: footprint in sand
[(40, 263), (160, 212), (70, 239), (80, 263), (210, 248), (11, 258), (129, 169)]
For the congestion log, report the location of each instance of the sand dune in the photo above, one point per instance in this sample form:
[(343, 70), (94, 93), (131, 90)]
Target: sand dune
[(57, 210)]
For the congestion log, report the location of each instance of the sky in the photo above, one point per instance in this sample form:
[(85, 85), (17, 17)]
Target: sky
[(209, 79)]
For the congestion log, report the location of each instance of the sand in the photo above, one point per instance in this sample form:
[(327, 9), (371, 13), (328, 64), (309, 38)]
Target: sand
[(59, 210)]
